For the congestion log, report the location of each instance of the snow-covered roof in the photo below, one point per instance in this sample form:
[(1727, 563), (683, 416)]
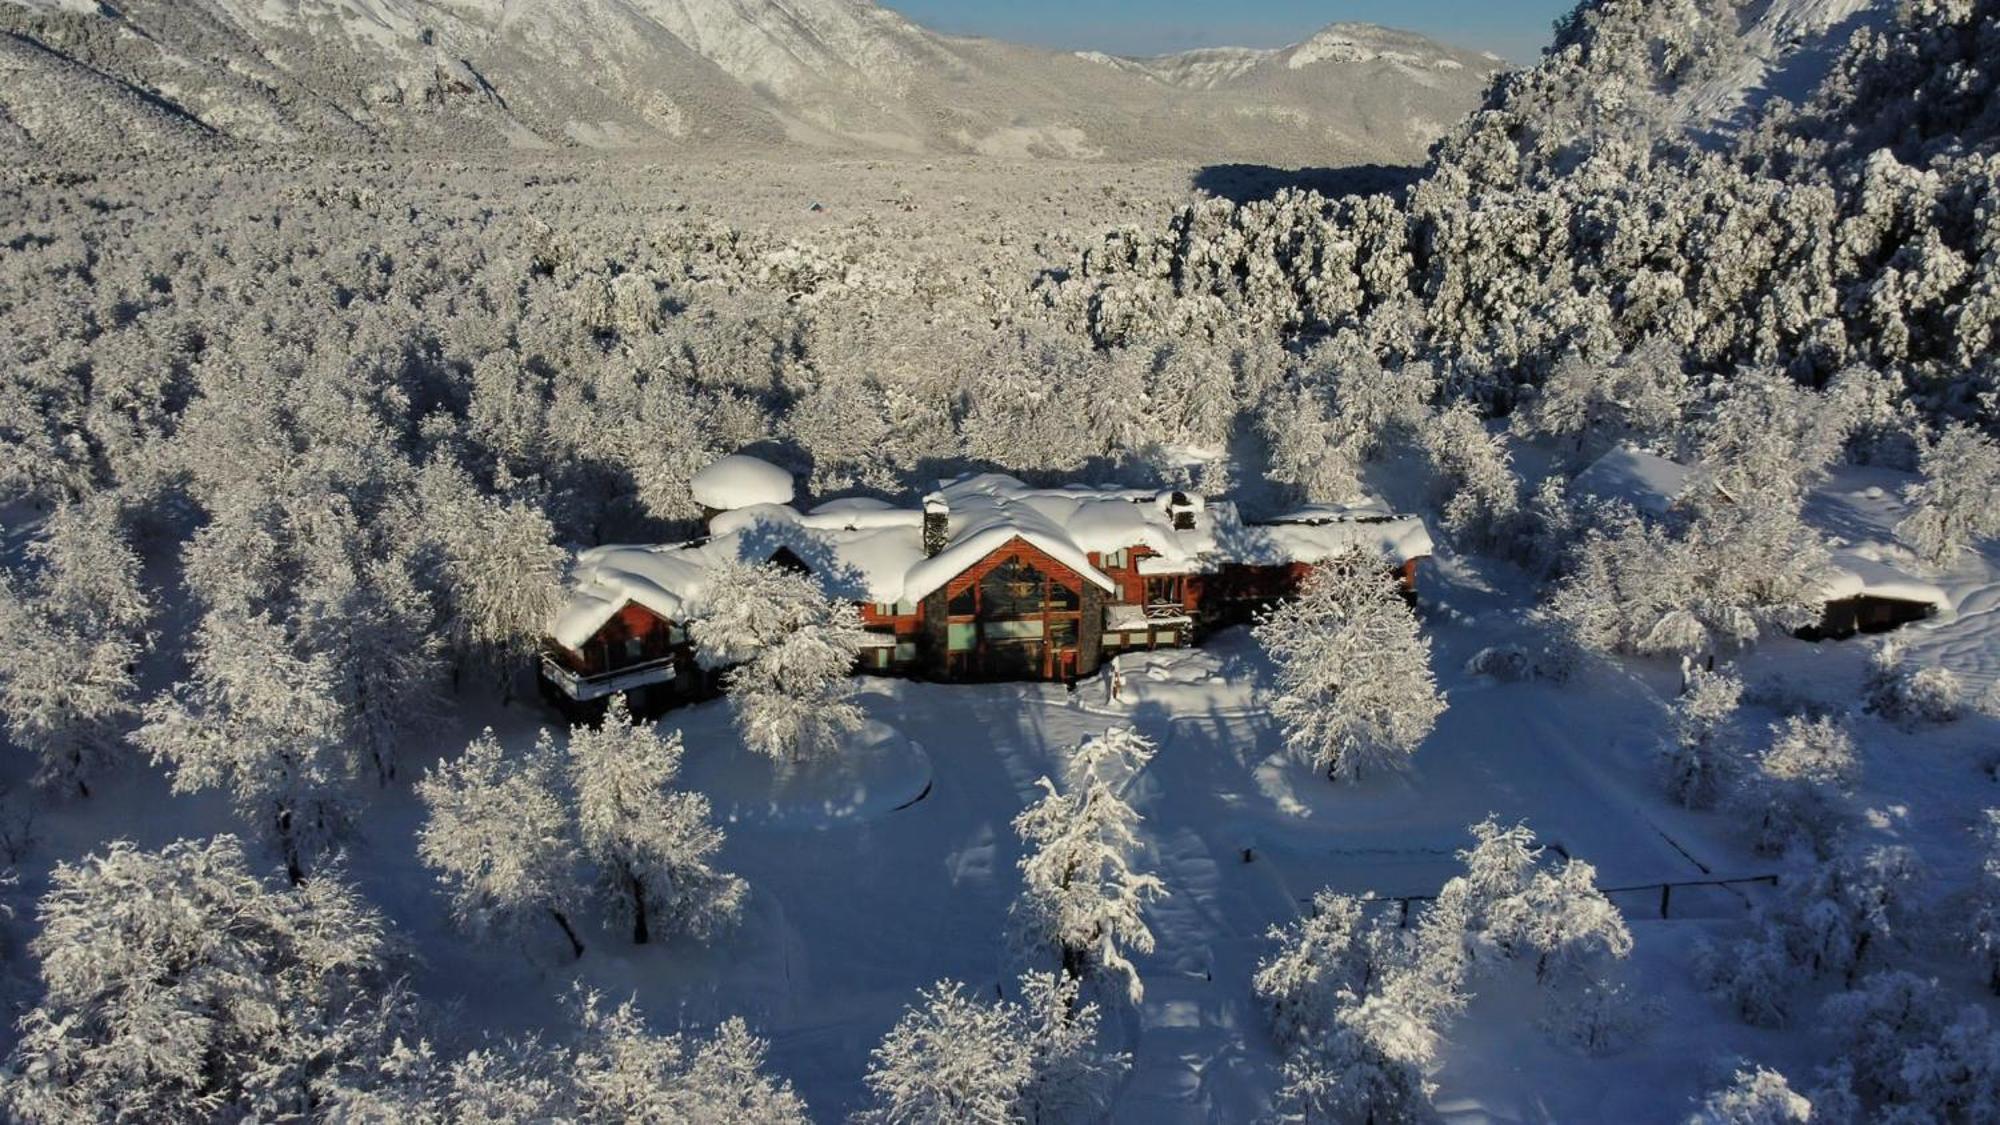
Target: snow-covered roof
[(1869, 570), (605, 580), (869, 551), (739, 481), (1316, 534), (1647, 481), (989, 510)]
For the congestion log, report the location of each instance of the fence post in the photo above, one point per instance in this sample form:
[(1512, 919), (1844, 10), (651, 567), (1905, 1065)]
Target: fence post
[(1666, 898), (1404, 922)]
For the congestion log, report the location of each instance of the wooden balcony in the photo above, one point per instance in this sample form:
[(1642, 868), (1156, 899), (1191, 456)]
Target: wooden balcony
[(584, 689)]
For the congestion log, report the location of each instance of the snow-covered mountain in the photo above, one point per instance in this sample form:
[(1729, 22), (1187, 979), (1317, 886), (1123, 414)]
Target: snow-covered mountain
[(462, 74)]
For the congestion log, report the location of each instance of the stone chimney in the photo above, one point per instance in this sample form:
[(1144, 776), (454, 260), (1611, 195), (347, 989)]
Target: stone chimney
[(937, 524), (1182, 509)]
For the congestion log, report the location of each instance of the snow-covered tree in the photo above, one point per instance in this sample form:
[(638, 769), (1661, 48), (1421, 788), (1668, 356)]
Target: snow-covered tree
[(1355, 690), (1983, 929), (374, 627), (1072, 1077), (1304, 450), (1953, 505), (1793, 795), (951, 1060), (499, 836), (955, 1058), (180, 986), (501, 569), (65, 695), (1475, 480), (620, 1071), (74, 632), (790, 650), (1753, 1097), (264, 724), (1590, 407), (1328, 959), (1081, 892), (1351, 1076), (1569, 925), (1702, 759), (653, 847), (1726, 571)]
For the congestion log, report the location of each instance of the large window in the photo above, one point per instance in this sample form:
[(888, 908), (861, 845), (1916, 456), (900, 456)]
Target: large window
[(1166, 589), (1016, 620)]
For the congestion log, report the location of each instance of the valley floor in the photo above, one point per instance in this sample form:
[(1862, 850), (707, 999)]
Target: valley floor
[(861, 897)]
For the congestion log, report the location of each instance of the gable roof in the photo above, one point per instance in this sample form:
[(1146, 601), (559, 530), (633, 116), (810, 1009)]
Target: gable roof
[(866, 550)]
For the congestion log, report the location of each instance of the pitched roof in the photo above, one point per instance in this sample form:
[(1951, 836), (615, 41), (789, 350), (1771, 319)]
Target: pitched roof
[(866, 550)]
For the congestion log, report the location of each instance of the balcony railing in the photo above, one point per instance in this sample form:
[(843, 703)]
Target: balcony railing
[(583, 688)]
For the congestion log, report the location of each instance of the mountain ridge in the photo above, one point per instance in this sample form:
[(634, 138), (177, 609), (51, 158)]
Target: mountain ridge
[(457, 75)]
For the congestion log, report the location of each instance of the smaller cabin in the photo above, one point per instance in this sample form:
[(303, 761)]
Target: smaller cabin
[(1866, 590), (1867, 594), (621, 631)]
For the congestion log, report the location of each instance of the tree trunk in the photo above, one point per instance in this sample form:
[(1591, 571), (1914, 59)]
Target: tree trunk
[(1074, 962), (575, 943), (289, 845), (640, 934)]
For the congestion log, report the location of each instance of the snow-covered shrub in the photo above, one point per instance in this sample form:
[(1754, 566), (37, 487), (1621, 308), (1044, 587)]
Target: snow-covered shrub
[(1953, 504), (1506, 663), (1843, 917), (610, 1068), (181, 986), (1911, 1055), (1793, 796), (1755, 977), (1754, 1097), (653, 847), (1703, 759), (499, 836), (1355, 689), (1600, 1019), (790, 650), (1988, 703), (1081, 892), (1904, 694), (1983, 927)]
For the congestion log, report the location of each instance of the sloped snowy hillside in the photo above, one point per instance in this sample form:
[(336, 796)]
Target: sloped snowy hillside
[(458, 74)]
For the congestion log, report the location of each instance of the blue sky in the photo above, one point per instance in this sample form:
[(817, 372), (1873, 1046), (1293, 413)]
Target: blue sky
[(1514, 29)]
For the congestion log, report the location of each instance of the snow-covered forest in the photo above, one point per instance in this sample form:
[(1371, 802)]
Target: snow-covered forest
[(1610, 819)]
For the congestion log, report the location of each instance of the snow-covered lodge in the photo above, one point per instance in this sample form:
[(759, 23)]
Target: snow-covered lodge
[(989, 580)]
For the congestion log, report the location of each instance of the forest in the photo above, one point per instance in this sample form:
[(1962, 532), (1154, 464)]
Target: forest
[(296, 452)]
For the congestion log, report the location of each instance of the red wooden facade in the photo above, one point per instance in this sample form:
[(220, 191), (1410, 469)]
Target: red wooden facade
[(1018, 613)]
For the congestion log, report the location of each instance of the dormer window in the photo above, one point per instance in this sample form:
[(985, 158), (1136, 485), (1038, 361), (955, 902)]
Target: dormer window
[(1114, 560)]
